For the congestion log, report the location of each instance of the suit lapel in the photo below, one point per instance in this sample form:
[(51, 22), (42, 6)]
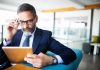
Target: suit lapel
[(18, 37), (37, 38)]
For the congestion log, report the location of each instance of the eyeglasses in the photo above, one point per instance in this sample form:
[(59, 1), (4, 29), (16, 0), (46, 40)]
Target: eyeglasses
[(30, 21)]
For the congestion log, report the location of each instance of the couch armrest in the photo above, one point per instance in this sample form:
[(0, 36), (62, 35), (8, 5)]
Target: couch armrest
[(72, 66)]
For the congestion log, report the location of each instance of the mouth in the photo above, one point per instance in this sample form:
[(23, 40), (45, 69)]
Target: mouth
[(27, 29)]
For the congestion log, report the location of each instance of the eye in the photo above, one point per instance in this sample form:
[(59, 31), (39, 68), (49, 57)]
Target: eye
[(30, 20), (20, 21)]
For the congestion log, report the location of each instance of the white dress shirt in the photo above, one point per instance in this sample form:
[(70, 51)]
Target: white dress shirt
[(30, 41)]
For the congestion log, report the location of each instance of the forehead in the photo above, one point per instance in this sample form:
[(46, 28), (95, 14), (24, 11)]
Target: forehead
[(25, 15)]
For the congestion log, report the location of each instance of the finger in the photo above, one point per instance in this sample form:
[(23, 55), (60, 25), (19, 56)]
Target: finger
[(31, 55), (34, 62), (41, 54), (16, 24), (29, 60), (10, 28), (13, 23), (10, 24)]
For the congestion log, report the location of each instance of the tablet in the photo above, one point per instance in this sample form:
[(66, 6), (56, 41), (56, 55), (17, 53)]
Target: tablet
[(17, 54)]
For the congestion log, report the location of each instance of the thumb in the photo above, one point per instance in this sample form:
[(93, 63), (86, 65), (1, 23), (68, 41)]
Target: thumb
[(41, 54)]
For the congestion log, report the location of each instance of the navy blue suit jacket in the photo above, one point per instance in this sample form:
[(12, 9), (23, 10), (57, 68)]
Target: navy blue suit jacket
[(43, 42)]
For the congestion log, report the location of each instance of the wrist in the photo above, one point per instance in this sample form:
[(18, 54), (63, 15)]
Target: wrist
[(53, 60), (8, 38)]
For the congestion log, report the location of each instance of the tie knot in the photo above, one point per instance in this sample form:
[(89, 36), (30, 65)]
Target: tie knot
[(28, 36)]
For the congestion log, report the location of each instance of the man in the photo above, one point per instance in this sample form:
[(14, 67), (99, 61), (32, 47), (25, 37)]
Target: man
[(40, 40)]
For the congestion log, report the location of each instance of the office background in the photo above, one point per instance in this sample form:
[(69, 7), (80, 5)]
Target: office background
[(70, 28)]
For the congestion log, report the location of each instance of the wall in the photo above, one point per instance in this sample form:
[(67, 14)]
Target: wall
[(96, 22)]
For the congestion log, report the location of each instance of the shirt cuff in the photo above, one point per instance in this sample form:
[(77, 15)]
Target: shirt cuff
[(5, 43), (59, 59)]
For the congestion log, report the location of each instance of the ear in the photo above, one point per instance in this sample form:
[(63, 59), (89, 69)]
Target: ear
[(36, 19)]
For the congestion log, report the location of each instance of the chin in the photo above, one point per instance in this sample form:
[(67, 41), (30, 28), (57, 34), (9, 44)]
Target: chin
[(29, 30), (27, 33)]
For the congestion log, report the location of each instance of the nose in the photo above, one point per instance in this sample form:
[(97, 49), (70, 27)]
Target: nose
[(26, 25)]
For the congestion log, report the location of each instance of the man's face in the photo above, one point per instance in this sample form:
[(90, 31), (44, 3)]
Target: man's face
[(27, 21)]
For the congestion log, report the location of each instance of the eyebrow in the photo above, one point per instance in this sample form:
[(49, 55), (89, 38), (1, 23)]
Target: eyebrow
[(26, 20)]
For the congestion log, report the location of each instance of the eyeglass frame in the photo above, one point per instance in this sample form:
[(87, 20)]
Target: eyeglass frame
[(30, 21)]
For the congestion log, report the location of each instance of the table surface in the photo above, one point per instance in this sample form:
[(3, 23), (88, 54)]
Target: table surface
[(21, 67), (96, 44)]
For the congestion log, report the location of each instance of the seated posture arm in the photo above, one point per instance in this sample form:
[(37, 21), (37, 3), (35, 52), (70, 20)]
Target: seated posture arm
[(40, 40)]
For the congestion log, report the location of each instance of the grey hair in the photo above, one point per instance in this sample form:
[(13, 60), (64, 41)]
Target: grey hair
[(26, 7)]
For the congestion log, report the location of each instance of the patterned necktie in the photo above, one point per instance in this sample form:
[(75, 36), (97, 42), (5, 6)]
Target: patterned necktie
[(26, 41)]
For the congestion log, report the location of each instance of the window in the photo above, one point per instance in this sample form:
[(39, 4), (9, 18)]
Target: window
[(71, 27), (45, 21), (5, 17)]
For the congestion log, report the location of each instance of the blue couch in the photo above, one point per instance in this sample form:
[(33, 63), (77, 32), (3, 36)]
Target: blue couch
[(72, 66)]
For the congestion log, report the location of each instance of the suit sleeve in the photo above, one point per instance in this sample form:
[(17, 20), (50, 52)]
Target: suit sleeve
[(67, 54)]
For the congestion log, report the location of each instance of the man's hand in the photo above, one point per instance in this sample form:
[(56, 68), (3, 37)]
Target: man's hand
[(11, 29), (39, 60)]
